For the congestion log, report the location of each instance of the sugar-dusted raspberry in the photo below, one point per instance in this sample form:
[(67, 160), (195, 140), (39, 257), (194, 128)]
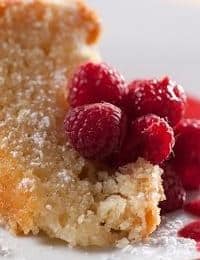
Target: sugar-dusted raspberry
[(193, 207), (163, 97), (174, 191), (96, 130), (187, 153), (94, 83), (149, 137)]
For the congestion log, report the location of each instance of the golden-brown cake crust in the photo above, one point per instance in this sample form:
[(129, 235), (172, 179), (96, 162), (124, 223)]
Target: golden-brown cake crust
[(86, 17), (44, 184)]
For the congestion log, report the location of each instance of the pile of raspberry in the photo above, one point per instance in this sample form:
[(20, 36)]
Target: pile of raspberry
[(116, 122)]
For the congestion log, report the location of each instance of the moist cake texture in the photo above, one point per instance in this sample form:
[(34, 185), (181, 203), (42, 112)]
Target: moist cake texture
[(44, 184)]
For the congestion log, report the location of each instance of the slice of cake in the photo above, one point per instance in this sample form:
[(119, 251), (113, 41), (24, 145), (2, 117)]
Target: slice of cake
[(44, 184)]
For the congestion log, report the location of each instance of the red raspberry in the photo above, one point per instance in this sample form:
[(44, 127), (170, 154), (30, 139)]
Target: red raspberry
[(189, 173), (193, 108), (96, 130), (198, 246), (161, 97), (174, 191), (193, 207), (187, 152), (191, 230), (149, 137), (187, 146), (94, 83)]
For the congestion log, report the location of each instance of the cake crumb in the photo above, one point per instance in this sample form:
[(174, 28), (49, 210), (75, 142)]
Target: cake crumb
[(81, 219), (122, 243), (48, 207)]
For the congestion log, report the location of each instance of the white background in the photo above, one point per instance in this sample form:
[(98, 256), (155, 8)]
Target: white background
[(147, 38)]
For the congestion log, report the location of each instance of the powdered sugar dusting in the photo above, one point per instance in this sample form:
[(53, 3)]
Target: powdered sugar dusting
[(59, 77), (32, 104), (64, 176), (27, 184), (5, 251)]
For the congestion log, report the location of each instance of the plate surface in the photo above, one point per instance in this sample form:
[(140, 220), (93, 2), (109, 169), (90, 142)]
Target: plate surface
[(142, 39)]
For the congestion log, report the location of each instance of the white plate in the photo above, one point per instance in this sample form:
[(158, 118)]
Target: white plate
[(142, 38)]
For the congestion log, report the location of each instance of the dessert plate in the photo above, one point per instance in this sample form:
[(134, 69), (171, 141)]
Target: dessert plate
[(150, 38)]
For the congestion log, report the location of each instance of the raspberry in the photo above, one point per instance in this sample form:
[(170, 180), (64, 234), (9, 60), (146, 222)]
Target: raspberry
[(161, 97), (94, 83), (189, 173), (198, 246), (174, 191), (187, 152), (96, 130), (188, 140), (193, 207), (193, 108), (149, 137), (192, 230)]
